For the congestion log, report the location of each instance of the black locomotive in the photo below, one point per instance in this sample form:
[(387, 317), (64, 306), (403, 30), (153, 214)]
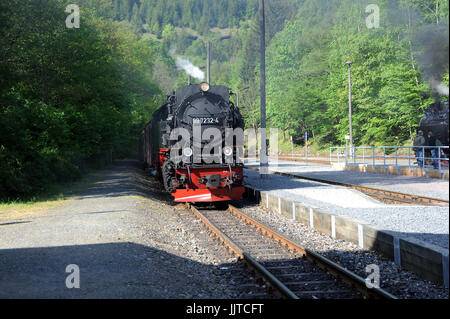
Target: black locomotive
[(436, 120), (188, 145)]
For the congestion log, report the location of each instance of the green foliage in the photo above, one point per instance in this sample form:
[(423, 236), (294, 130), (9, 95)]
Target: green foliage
[(308, 77), (200, 15), (71, 96), (308, 43), (67, 96)]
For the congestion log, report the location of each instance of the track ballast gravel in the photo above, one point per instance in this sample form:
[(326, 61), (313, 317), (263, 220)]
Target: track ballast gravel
[(423, 223), (393, 279)]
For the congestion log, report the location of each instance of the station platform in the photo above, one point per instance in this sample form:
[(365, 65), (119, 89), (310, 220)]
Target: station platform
[(419, 186), (416, 237)]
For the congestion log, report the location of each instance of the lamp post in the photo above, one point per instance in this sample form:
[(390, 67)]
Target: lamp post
[(263, 158), (306, 145), (208, 63), (347, 138), (349, 63)]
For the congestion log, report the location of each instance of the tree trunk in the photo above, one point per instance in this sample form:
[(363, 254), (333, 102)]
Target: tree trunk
[(411, 49), (437, 11)]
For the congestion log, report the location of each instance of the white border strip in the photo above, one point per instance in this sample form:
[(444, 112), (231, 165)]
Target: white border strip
[(445, 269), (333, 226), (397, 257), (360, 236)]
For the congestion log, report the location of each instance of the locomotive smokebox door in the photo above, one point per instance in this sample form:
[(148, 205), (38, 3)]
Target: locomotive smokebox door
[(212, 180)]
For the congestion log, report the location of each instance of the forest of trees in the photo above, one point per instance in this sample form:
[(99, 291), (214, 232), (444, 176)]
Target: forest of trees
[(309, 42), (68, 97), (151, 16), (73, 97), (391, 71)]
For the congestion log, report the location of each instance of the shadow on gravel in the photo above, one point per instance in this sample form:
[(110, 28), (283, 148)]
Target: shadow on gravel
[(113, 270), (106, 212), (13, 223), (126, 178)]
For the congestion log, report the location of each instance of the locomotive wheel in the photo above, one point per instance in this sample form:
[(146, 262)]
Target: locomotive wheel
[(167, 175)]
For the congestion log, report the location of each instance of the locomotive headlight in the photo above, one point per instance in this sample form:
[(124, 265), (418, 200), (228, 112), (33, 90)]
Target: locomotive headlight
[(228, 151), (187, 152), (204, 87)]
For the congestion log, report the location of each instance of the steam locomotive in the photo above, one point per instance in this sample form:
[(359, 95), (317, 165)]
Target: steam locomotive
[(192, 144), (436, 120)]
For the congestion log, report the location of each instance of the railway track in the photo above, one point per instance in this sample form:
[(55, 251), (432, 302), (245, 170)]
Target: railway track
[(291, 271), (386, 196)]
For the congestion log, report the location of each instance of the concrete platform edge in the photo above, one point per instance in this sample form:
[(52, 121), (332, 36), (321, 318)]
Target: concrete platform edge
[(393, 170), (428, 261)]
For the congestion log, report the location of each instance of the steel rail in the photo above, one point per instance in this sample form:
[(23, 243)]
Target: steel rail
[(330, 266), (269, 277), (370, 191)]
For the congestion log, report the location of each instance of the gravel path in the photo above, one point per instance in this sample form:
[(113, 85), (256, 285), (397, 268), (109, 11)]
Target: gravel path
[(401, 283), (430, 224), (128, 241)]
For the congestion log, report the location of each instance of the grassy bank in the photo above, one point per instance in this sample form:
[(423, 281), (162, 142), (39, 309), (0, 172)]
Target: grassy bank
[(54, 196)]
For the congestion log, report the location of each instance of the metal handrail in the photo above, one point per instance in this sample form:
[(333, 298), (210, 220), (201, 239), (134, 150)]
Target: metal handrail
[(350, 154)]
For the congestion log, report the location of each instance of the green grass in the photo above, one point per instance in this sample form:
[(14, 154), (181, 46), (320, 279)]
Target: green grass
[(284, 145), (53, 196), (22, 207)]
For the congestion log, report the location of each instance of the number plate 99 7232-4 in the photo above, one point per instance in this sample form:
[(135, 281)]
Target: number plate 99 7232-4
[(205, 120)]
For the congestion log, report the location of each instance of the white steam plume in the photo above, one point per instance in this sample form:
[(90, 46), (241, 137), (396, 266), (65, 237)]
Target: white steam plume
[(440, 87), (190, 69)]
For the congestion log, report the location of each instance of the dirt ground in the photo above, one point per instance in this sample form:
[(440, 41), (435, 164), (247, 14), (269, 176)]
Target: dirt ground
[(121, 237)]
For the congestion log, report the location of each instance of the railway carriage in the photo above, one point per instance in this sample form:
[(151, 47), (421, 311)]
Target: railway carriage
[(196, 169)]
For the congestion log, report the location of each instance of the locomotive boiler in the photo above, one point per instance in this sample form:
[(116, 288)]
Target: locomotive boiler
[(194, 144)]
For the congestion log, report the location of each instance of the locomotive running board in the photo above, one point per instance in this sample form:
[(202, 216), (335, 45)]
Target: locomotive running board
[(208, 194)]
